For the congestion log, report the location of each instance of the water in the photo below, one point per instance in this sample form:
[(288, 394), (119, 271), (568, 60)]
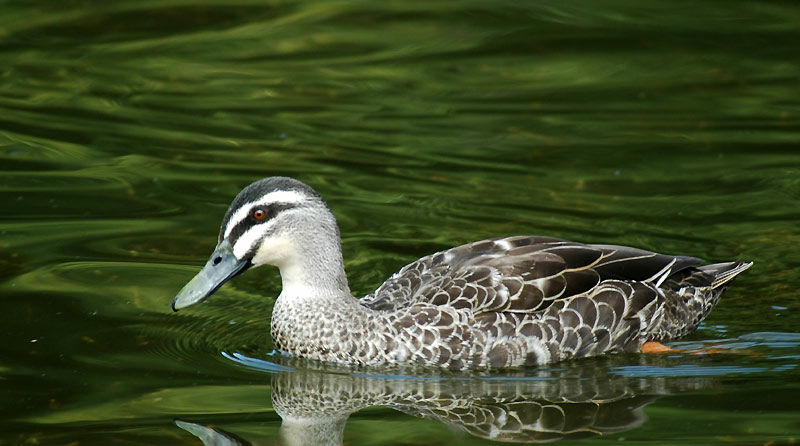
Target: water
[(127, 127)]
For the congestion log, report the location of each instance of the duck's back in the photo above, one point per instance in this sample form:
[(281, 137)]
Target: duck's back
[(523, 274)]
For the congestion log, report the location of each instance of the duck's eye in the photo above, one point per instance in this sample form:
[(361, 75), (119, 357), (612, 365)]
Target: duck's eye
[(259, 214)]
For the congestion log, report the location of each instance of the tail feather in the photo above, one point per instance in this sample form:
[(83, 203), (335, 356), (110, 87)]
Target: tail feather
[(690, 295), (724, 272)]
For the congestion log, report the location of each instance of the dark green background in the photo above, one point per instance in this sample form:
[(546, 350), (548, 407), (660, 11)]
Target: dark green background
[(126, 128)]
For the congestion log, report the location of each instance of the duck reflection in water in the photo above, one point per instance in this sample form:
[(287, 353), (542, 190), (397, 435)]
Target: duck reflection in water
[(584, 399)]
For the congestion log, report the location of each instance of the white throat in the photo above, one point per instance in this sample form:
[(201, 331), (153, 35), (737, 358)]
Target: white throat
[(310, 263)]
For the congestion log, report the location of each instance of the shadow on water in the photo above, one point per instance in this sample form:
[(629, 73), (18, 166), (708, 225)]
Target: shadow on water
[(584, 399)]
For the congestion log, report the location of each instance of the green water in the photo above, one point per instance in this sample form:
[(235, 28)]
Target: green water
[(127, 127)]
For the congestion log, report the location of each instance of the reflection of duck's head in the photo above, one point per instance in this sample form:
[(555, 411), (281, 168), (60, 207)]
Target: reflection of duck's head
[(319, 430)]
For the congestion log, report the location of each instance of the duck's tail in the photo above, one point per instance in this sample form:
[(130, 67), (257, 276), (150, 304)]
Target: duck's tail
[(723, 273), (690, 295)]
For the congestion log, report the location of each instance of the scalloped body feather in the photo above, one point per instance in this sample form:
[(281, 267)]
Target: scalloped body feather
[(510, 302)]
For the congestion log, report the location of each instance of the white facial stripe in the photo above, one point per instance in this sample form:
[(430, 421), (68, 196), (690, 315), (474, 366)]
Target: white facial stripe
[(248, 239), (279, 196), (238, 216)]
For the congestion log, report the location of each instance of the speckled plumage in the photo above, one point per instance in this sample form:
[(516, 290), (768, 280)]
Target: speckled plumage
[(495, 303)]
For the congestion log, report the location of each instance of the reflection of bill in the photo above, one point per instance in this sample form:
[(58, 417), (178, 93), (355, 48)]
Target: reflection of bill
[(580, 400)]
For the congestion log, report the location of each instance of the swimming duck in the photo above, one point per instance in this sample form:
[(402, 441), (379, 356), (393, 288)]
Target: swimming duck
[(504, 302)]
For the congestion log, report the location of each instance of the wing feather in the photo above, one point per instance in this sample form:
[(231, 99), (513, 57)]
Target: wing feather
[(525, 274)]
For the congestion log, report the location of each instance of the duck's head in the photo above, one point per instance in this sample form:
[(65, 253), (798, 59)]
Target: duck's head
[(275, 221)]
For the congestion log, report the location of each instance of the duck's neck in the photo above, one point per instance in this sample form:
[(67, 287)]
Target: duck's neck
[(310, 262), (316, 315), (317, 270), (314, 265)]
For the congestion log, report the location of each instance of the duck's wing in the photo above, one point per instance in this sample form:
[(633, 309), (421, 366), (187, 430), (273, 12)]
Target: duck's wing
[(518, 274)]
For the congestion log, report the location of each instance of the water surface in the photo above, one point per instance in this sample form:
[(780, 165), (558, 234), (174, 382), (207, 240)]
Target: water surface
[(127, 127)]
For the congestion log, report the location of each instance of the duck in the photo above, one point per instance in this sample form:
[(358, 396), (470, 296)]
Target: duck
[(499, 303)]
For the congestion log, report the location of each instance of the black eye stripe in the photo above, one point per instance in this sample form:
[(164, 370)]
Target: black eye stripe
[(272, 210)]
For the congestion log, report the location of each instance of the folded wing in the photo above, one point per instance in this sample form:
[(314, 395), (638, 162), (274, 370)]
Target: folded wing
[(519, 274)]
